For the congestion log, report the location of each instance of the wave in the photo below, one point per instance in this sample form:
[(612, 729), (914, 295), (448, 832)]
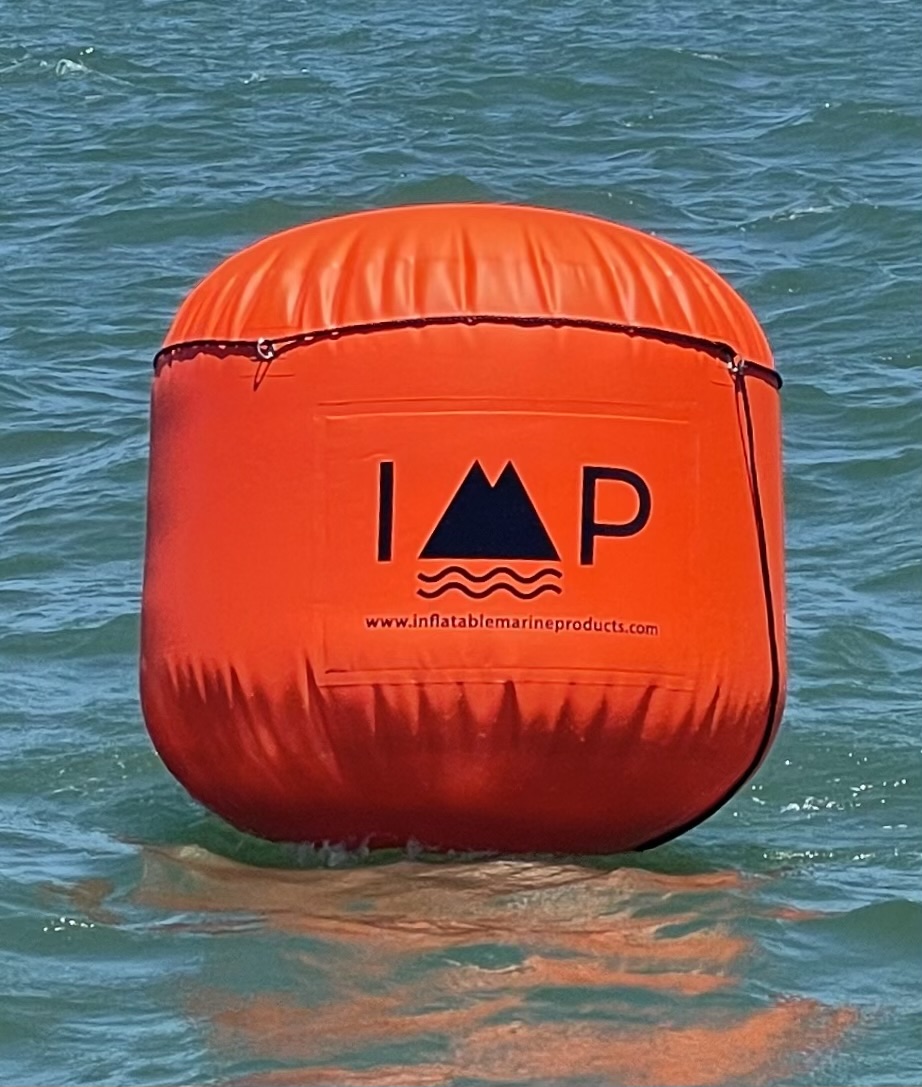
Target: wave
[(522, 579), (498, 587)]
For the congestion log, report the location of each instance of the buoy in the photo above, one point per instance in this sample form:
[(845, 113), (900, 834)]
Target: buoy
[(464, 528)]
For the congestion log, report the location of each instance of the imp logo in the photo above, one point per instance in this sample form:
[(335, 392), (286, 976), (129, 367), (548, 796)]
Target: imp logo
[(498, 521)]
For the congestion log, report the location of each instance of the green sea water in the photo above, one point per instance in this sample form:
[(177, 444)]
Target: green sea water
[(143, 941)]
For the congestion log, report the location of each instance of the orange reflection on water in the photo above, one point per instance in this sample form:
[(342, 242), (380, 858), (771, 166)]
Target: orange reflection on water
[(509, 972), (762, 1046)]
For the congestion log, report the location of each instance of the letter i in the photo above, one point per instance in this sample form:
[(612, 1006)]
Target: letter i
[(385, 510)]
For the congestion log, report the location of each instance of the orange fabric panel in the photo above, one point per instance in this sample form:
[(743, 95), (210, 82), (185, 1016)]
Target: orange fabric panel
[(482, 586), (463, 259)]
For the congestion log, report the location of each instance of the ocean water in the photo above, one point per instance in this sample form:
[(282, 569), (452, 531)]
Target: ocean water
[(143, 941)]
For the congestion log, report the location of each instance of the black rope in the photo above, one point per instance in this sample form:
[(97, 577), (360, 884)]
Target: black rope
[(265, 350), (774, 656)]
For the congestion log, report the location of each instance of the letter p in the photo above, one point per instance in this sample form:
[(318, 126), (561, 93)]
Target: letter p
[(590, 528)]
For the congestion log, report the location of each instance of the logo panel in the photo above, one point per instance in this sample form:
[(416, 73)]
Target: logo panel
[(482, 542)]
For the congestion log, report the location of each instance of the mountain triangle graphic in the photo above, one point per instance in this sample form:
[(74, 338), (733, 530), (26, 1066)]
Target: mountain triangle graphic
[(488, 520)]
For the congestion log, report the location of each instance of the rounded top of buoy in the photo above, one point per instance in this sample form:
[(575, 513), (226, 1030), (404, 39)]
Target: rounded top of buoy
[(418, 262)]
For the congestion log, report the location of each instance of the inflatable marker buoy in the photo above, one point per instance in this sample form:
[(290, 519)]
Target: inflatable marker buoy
[(464, 527)]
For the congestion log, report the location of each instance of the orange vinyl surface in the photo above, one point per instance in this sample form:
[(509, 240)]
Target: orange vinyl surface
[(481, 585)]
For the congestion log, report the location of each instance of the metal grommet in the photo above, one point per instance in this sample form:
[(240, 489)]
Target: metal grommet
[(265, 350)]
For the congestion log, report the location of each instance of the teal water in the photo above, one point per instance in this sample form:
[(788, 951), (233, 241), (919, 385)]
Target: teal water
[(142, 941)]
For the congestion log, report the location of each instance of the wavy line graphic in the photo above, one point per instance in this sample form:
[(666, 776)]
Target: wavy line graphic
[(522, 579), (442, 589)]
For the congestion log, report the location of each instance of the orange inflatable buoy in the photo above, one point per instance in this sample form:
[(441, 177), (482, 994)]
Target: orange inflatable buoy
[(464, 527)]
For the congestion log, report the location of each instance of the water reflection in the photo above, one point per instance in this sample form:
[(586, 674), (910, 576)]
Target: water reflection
[(500, 972)]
